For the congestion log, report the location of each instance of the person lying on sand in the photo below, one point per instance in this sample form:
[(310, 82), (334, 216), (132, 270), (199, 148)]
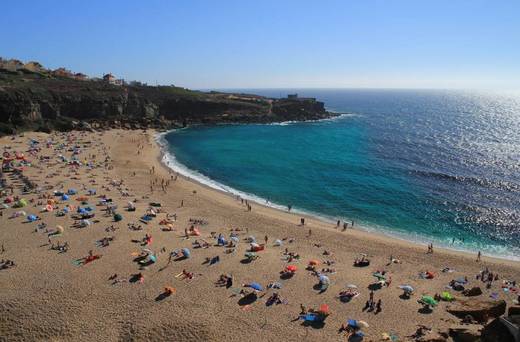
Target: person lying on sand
[(328, 270), (6, 264), (225, 280), (185, 275)]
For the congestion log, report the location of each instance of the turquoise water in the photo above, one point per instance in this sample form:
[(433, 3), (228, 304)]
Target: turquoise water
[(423, 165)]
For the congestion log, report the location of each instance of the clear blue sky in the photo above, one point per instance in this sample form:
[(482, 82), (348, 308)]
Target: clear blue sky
[(274, 43)]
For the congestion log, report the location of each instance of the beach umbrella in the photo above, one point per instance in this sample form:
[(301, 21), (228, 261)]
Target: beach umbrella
[(186, 252), (356, 337), (314, 262), (406, 288), (324, 279), (59, 229), (9, 199), (278, 242), (5, 206), (72, 192), (446, 296), (351, 286), (461, 280), (118, 217), (362, 324), (234, 239), (64, 197), (21, 203), (353, 323), (251, 239), (291, 268), (428, 300), (324, 309), (256, 287), (250, 255), (32, 218), (379, 276), (153, 258), (85, 223)]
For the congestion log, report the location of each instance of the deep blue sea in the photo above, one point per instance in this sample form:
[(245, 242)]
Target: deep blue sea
[(441, 166)]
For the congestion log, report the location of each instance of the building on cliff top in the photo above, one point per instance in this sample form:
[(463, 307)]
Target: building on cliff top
[(62, 72), (34, 66), (294, 97), (11, 64), (109, 78), (80, 76)]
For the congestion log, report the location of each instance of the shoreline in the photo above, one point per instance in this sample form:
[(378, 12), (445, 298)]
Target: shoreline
[(326, 222)]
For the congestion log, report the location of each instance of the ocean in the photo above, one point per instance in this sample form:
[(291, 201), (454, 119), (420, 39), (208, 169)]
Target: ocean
[(422, 165)]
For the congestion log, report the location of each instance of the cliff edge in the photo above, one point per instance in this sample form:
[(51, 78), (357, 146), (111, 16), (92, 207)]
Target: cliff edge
[(44, 100)]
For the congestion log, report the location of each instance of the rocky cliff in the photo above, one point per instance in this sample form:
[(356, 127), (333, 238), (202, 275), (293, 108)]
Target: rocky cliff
[(36, 101)]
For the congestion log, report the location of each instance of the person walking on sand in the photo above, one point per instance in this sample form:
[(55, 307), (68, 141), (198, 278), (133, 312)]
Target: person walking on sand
[(338, 223), (378, 306), (266, 238), (310, 232), (479, 255), (302, 221)]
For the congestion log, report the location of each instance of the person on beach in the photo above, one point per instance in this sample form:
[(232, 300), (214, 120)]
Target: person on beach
[(378, 306), (338, 223), (479, 255), (302, 221)]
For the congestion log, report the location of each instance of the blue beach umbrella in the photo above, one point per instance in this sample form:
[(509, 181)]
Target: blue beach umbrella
[(64, 197), (256, 286), (186, 252), (324, 279), (406, 288), (352, 323), (32, 218)]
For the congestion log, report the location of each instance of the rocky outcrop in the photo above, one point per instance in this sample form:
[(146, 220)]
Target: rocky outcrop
[(466, 333), (474, 291), (34, 101), (479, 309), (496, 331)]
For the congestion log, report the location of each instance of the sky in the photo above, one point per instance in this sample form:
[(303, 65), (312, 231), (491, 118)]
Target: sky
[(273, 43)]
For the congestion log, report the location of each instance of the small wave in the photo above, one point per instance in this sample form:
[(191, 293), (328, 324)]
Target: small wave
[(494, 184), (331, 119)]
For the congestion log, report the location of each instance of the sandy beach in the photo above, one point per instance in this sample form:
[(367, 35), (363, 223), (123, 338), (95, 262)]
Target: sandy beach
[(54, 295)]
